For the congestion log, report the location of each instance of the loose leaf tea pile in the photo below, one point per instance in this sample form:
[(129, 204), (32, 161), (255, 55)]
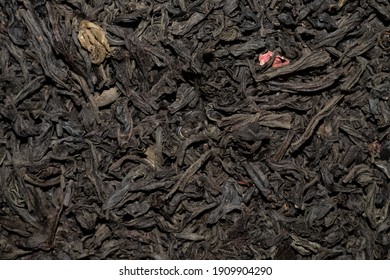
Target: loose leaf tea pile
[(207, 129)]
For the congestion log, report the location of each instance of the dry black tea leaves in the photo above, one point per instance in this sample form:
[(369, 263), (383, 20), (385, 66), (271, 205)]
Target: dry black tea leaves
[(194, 129)]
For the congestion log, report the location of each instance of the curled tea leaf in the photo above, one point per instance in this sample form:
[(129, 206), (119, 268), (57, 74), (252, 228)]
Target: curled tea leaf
[(107, 97)]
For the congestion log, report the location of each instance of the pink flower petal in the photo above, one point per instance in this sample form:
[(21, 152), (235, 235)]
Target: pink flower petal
[(278, 62), (264, 58)]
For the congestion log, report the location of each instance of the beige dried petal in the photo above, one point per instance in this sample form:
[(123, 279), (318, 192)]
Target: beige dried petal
[(97, 32), (93, 38)]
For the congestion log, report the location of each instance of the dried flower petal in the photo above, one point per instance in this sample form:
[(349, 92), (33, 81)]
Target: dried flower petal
[(278, 62), (93, 38)]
